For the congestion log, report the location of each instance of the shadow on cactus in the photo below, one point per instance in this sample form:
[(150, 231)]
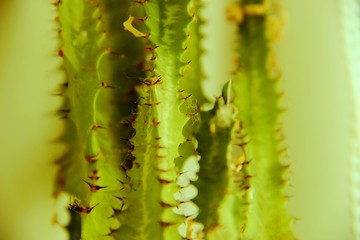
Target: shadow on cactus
[(143, 161)]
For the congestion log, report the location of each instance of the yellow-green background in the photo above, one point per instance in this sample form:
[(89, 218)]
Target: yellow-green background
[(317, 123)]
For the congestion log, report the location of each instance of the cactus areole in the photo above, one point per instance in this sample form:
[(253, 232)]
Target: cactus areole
[(143, 161)]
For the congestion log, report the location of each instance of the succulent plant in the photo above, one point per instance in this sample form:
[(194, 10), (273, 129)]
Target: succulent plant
[(144, 160)]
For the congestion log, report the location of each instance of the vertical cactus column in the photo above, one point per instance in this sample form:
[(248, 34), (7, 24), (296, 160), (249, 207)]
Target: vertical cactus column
[(214, 137), (257, 98), (193, 73), (96, 92), (165, 157)]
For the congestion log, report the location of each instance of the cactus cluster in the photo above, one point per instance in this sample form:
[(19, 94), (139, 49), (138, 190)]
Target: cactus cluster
[(144, 160)]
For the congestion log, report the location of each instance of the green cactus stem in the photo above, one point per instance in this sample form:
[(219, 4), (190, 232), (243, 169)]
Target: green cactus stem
[(214, 137), (193, 72), (162, 206), (96, 62), (257, 97)]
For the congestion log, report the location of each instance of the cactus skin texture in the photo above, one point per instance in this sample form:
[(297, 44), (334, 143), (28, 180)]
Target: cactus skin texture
[(257, 98), (96, 61), (142, 161), (163, 147)]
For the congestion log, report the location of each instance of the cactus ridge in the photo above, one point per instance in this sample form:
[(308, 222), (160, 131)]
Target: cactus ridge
[(258, 102), (214, 138), (163, 113), (193, 73), (240, 184), (93, 60)]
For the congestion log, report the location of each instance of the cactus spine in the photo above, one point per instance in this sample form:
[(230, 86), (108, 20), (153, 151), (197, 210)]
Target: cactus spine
[(143, 162)]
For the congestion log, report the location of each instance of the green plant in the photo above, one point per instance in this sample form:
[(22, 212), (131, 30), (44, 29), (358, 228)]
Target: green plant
[(143, 162)]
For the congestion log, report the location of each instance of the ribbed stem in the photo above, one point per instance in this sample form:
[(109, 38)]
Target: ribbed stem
[(257, 98)]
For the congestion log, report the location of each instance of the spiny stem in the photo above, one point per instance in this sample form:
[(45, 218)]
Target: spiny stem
[(159, 126), (258, 103), (90, 170)]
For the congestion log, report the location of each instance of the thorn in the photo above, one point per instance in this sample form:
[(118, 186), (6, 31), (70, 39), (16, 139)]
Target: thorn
[(241, 137), (242, 145), (120, 198), (166, 224), (105, 85), (117, 211), (165, 205), (66, 84), (150, 82), (163, 182), (96, 126), (59, 179), (64, 111), (94, 178), (54, 220), (143, 19), (157, 138), (60, 53), (94, 175), (93, 187), (57, 3), (122, 208), (82, 209), (151, 104), (152, 48), (155, 123), (128, 121), (92, 159), (112, 52), (245, 163), (128, 164), (141, 1), (120, 181), (158, 147), (185, 98), (150, 70), (124, 169)]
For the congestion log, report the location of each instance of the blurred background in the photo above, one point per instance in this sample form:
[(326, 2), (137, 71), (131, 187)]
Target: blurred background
[(319, 55)]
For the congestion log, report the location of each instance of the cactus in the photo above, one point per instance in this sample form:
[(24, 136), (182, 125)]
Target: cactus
[(258, 100), (143, 161)]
